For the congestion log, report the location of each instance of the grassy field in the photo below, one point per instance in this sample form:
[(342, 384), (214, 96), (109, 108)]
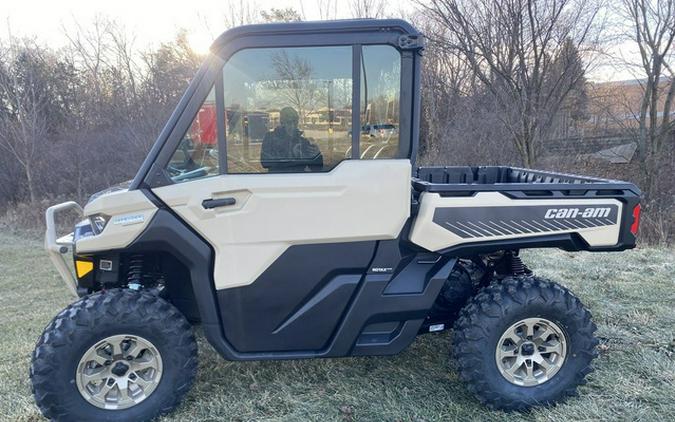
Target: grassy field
[(631, 294)]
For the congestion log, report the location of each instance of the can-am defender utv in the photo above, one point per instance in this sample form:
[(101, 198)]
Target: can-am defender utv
[(264, 213)]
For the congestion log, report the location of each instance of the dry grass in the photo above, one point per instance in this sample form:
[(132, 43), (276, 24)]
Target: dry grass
[(631, 295)]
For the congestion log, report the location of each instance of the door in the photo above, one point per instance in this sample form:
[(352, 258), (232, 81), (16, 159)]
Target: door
[(292, 212)]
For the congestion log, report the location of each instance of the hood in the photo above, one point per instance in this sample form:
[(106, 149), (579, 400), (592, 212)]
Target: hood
[(114, 188)]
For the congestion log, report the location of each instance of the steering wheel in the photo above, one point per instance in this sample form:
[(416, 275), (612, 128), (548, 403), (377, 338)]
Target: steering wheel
[(188, 162), (199, 172)]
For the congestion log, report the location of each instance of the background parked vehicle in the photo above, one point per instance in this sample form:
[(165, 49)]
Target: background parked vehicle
[(381, 130)]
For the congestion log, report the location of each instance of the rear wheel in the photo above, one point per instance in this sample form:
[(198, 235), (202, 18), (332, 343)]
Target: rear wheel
[(118, 355), (524, 342)]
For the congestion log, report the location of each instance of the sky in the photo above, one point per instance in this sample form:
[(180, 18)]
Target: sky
[(154, 21), (151, 21)]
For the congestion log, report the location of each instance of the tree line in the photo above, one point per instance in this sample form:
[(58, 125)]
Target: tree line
[(505, 80), (502, 78)]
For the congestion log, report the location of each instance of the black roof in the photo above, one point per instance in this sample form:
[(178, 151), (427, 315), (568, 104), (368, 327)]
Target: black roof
[(315, 28)]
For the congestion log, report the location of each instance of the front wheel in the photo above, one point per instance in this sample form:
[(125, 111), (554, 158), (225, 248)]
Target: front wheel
[(114, 356), (524, 342)]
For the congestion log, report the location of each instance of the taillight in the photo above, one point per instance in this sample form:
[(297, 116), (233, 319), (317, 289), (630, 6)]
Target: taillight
[(636, 220)]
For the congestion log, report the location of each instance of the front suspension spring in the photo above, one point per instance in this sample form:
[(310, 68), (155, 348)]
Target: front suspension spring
[(135, 272)]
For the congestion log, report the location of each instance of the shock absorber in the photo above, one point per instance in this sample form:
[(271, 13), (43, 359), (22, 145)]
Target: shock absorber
[(135, 272), (518, 267)]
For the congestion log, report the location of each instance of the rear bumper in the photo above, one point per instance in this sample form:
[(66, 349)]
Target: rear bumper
[(57, 248)]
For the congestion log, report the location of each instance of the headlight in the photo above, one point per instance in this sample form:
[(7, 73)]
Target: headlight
[(98, 223), (90, 226), (83, 229)]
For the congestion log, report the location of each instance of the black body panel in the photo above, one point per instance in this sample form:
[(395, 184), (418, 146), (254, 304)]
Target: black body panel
[(315, 301), (167, 233), (297, 301), (565, 241), (375, 305)]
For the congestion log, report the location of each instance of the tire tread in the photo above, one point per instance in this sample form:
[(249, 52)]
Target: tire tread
[(492, 302), (83, 316)]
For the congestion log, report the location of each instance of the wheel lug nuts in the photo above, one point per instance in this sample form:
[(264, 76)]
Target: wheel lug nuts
[(108, 362), (130, 357), (111, 381)]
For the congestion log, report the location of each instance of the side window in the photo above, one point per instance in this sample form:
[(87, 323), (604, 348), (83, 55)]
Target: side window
[(380, 101), (288, 109), (197, 153)]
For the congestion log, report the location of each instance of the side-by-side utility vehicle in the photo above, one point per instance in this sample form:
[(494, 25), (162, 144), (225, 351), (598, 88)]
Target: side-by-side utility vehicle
[(263, 216)]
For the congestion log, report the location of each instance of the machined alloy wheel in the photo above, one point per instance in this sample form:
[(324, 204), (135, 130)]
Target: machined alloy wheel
[(522, 342), (119, 372), (531, 351), (118, 355)]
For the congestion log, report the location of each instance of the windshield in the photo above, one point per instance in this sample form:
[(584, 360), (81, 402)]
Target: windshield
[(197, 153)]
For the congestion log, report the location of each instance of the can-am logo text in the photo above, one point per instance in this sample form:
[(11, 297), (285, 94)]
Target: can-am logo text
[(595, 212)]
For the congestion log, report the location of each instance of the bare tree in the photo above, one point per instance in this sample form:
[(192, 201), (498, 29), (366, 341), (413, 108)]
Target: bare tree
[(241, 12), (513, 48), (328, 9), (295, 82), (653, 31), (23, 123), (74, 120), (281, 15), (367, 8), (460, 123), (90, 48), (127, 61)]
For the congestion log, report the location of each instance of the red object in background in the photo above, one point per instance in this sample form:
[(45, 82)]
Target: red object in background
[(636, 220), (204, 127)]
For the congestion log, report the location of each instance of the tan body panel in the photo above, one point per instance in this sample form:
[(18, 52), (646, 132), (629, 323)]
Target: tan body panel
[(357, 200), (129, 213), (434, 237)]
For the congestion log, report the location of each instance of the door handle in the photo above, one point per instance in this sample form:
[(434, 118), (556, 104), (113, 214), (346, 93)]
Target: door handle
[(220, 202)]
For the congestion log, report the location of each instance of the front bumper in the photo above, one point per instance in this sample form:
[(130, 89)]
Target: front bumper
[(58, 247)]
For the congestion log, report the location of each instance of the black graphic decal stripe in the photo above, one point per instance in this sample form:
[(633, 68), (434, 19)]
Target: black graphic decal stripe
[(485, 222), (494, 229), (531, 226), (462, 234)]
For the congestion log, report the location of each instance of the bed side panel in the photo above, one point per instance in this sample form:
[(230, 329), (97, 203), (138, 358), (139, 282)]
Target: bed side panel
[(445, 222)]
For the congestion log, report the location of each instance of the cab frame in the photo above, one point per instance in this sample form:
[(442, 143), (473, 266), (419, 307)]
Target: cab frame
[(355, 33)]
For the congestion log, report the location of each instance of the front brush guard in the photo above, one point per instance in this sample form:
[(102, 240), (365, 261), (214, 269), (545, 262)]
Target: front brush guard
[(58, 247)]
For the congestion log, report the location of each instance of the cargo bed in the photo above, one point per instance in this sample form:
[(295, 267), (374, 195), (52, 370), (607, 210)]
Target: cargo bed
[(502, 178), (477, 209)]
